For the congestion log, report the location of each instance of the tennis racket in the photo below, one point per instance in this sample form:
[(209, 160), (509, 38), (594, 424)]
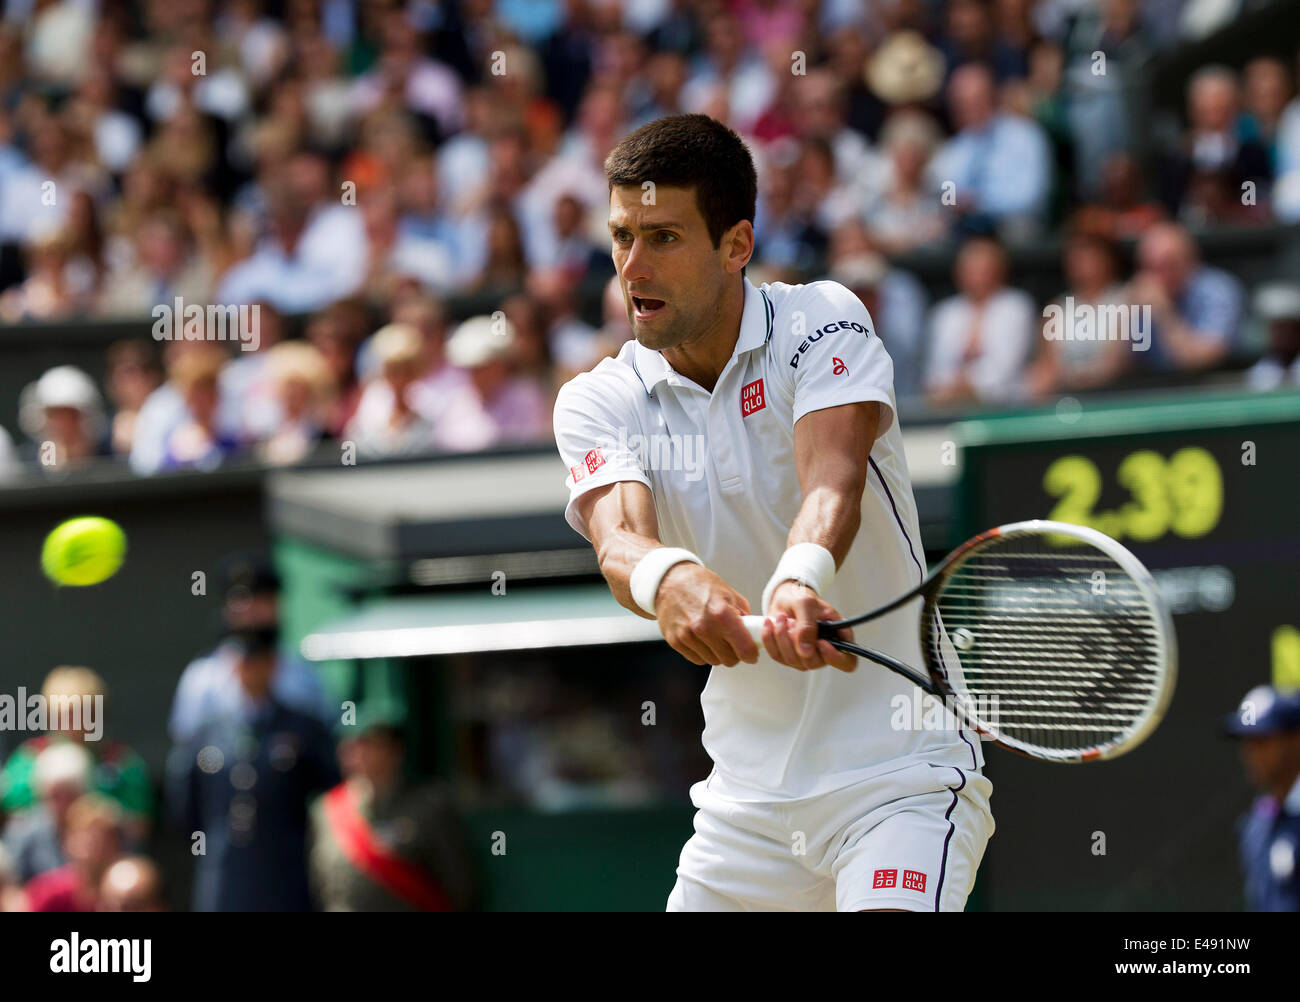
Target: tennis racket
[(1049, 638)]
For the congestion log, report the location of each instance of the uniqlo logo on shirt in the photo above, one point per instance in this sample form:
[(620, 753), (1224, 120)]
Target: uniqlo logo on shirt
[(885, 878), (752, 398), (914, 880), (591, 462)]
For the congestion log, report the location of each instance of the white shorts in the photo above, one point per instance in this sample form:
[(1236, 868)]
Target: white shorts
[(911, 839)]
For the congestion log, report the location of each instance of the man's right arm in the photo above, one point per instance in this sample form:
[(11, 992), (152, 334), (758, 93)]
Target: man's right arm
[(698, 612)]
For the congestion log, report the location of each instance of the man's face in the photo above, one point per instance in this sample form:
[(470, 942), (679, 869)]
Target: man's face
[(1214, 103), (971, 97), (376, 756), (979, 270), (1167, 259), (1270, 759), (488, 379), (161, 249), (63, 424), (246, 609), (568, 216), (400, 375), (818, 113), (671, 275), (309, 178)]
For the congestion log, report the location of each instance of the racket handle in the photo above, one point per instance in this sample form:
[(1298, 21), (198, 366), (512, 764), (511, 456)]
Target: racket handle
[(754, 624)]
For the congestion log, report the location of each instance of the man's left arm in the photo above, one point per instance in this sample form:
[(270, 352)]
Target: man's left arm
[(832, 450), (842, 385)]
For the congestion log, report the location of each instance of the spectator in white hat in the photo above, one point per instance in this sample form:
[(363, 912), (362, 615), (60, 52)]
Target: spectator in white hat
[(904, 214), (497, 406), (34, 838), (389, 420), (304, 390), (63, 415), (1277, 304)]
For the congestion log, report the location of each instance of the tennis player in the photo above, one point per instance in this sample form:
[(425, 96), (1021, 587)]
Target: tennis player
[(743, 454)]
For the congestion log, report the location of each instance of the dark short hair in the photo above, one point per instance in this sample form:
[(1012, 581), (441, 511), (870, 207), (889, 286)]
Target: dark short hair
[(691, 151)]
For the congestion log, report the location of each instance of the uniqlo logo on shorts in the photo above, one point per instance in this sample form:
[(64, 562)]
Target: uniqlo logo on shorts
[(752, 398), (914, 880), (885, 878), (591, 462)]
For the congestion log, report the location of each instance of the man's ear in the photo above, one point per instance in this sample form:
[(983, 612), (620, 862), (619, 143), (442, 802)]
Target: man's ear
[(738, 243)]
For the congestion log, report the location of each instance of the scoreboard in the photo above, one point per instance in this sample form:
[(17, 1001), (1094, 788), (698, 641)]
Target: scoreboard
[(1205, 490)]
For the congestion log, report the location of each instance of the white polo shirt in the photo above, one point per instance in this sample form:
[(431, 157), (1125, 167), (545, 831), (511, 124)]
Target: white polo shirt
[(721, 467)]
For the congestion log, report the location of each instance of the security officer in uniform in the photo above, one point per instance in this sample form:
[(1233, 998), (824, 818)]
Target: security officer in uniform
[(1267, 726), (245, 780)]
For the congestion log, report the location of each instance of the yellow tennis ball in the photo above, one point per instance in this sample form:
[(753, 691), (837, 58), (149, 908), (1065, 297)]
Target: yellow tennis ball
[(83, 551)]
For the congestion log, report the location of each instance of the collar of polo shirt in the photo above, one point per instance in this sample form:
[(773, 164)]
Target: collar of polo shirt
[(755, 331)]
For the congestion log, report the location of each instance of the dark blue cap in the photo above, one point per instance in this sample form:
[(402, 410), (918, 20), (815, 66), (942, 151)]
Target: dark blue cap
[(1264, 710)]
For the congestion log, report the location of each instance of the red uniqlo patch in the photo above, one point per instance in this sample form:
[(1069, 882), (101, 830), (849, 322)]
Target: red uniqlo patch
[(914, 880), (752, 398), (885, 878), (591, 462)]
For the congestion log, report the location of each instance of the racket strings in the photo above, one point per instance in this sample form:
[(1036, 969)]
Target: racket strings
[(1050, 644)]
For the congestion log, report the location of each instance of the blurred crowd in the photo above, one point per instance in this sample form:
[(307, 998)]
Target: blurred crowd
[(77, 814), (358, 169), (285, 800)]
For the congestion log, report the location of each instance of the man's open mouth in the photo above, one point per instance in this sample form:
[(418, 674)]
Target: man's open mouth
[(647, 307)]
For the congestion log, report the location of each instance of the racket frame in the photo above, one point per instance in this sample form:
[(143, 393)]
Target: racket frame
[(935, 682)]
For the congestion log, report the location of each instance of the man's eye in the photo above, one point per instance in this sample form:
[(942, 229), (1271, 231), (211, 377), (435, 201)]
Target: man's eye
[(666, 237)]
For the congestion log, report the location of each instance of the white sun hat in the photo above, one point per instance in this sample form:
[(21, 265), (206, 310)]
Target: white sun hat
[(480, 340), (62, 386)]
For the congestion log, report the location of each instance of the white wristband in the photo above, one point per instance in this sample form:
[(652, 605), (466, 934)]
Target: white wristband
[(807, 563), (650, 570)]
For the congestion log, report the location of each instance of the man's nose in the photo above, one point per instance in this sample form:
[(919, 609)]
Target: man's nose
[(635, 266)]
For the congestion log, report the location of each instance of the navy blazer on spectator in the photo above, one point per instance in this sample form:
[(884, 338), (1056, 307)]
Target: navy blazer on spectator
[(247, 782)]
